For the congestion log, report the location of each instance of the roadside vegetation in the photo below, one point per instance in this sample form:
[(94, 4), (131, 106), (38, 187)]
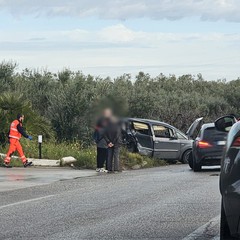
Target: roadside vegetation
[(62, 106), (86, 157)]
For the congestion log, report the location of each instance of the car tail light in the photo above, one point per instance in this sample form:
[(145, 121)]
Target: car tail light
[(236, 142), (202, 144)]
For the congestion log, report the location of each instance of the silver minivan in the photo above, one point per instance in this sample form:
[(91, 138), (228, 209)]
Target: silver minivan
[(157, 139)]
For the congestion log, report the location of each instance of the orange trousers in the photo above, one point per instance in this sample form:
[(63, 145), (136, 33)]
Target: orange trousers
[(15, 145)]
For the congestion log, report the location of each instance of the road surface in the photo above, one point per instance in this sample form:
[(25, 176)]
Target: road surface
[(167, 203)]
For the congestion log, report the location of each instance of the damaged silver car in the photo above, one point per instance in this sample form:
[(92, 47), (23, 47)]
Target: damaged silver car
[(157, 139)]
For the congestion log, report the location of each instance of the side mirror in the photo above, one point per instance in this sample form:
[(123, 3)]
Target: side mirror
[(173, 138), (225, 123)]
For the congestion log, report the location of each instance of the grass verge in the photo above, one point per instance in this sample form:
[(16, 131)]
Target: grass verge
[(86, 157)]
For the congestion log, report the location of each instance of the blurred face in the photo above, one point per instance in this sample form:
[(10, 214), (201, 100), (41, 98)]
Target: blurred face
[(107, 113), (21, 119)]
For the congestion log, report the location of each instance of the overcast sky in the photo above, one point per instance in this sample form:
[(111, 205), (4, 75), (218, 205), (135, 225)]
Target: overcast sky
[(112, 37)]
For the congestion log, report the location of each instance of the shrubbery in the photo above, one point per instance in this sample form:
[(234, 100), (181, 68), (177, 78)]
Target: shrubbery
[(62, 106), (67, 101), (130, 160), (86, 157)]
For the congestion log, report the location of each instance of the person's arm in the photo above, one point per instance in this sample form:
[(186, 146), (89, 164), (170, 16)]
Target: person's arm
[(105, 136), (118, 136), (22, 131)]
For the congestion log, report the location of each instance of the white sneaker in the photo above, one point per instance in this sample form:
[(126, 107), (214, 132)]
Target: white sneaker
[(98, 169), (103, 170)]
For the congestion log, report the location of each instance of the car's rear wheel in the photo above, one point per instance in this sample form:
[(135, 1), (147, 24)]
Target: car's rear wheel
[(185, 156), (190, 160), (224, 228), (197, 167)]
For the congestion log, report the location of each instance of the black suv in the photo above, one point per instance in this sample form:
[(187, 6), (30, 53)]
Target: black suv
[(207, 147), (230, 179)]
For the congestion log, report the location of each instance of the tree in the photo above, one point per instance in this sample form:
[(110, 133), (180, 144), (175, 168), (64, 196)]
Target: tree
[(6, 75), (68, 102), (10, 105)]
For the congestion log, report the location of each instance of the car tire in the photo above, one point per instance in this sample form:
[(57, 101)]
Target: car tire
[(190, 160), (224, 228), (185, 156), (197, 167), (132, 147)]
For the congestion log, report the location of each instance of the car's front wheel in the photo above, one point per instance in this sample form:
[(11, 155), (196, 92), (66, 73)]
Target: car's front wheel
[(224, 228), (132, 147), (185, 156)]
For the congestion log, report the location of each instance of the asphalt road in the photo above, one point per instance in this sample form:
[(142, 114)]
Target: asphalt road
[(17, 178), (161, 203)]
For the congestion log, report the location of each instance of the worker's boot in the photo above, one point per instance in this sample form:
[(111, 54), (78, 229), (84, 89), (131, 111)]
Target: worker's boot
[(7, 165), (27, 164)]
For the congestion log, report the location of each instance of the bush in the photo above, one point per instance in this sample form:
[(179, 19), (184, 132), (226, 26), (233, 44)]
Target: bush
[(129, 160), (10, 105), (86, 157)]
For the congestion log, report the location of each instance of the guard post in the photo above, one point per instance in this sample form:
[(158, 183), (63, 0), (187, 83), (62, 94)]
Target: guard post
[(40, 146)]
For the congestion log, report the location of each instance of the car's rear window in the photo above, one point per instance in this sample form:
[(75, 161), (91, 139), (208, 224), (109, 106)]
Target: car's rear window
[(213, 134)]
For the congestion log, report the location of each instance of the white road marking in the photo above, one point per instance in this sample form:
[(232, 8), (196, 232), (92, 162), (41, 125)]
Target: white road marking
[(25, 201), (201, 230)]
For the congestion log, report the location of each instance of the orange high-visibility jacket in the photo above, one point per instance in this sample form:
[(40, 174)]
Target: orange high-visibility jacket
[(14, 133)]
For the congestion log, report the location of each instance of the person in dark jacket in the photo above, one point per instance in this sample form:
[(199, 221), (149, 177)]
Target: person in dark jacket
[(113, 138), (102, 146)]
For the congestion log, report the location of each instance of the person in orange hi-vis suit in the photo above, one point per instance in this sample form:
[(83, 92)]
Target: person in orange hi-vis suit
[(15, 133)]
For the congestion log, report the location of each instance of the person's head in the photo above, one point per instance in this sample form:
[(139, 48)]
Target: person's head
[(20, 117), (107, 112)]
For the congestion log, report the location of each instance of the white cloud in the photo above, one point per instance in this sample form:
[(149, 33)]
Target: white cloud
[(118, 49), (118, 34), (125, 9)]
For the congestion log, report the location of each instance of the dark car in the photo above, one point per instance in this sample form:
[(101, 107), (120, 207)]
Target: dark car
[(207, 147), (157, 139), (230, 179)]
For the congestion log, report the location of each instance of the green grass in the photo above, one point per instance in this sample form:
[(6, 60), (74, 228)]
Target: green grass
[(129, 160), (14, 163), (86, 157)]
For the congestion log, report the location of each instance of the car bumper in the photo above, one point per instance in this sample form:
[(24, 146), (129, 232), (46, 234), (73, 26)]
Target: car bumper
[(208, 158), (211, 161)]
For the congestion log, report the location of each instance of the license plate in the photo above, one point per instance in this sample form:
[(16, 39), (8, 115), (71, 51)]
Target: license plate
[(221, 143)]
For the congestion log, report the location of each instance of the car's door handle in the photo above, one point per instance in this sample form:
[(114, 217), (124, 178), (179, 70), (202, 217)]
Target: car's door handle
[(156, 141)]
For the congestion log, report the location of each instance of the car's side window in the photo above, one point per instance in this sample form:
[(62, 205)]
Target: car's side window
[(162, 131), (141, 128), (179, 135)]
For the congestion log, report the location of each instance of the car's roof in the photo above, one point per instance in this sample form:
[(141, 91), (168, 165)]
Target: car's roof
[(150, 121)]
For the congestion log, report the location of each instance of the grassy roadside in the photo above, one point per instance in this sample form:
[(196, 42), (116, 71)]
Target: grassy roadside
[(86, 157), (134, 160)]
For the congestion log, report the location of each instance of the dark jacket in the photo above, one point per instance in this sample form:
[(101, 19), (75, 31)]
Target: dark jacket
[(113, 133), (22, 130), (100, 128)]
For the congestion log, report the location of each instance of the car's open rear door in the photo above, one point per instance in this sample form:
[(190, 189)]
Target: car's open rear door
[(194, 129)]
